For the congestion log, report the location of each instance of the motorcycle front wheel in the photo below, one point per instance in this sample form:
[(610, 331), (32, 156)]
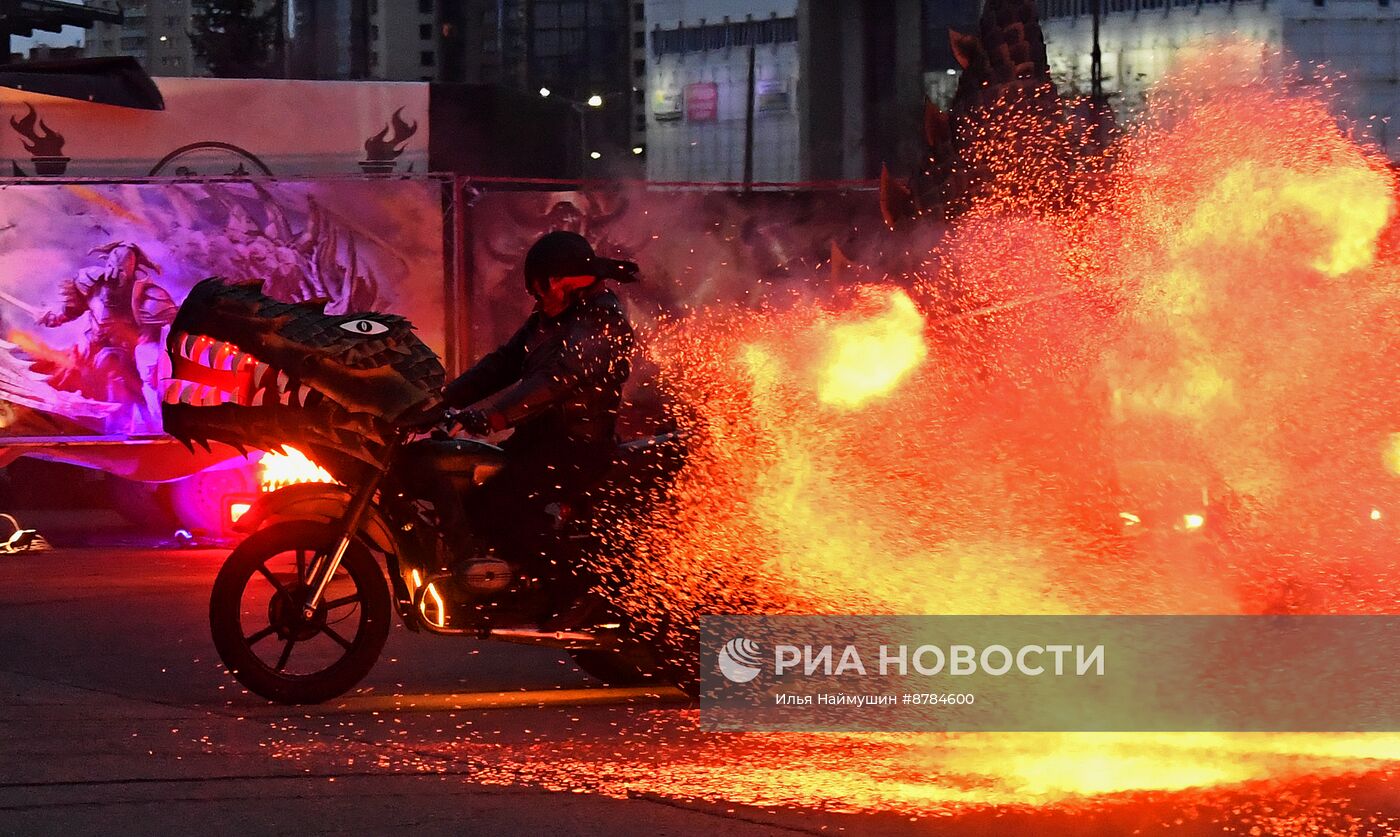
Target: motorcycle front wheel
[(262, 636)]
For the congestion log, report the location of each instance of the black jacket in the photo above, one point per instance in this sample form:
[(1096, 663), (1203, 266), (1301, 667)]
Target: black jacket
[(557, 381)]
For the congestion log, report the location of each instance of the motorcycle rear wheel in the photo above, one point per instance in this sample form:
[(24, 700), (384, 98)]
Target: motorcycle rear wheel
[(356, 593)]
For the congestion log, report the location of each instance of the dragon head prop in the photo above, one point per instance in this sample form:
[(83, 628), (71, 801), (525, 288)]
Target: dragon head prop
[(253, 372)]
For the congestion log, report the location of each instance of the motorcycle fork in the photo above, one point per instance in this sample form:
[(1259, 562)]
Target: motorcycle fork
[(324, 567)]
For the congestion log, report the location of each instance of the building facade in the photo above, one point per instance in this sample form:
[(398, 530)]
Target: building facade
[(1140, 40), (570, 50), (837, 88), (154, 32), (698, 90), (404, 40)]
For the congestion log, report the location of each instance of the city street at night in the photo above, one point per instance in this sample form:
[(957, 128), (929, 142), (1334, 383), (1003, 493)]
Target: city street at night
[(964, 418)]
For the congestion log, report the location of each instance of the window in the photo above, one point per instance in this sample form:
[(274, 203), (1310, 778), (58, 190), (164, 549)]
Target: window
[(639, 40), (373, 32), (639, 12), (571, 15), (426, 58), (639, 67), (425, 7), (425, 32), (639, 97)]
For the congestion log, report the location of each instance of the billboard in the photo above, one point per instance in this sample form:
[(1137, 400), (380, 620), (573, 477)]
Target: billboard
[(702, 102), (221, 127), (91, 276)]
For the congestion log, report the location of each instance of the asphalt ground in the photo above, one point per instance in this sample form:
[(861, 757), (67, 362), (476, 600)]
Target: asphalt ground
[(117, 718)]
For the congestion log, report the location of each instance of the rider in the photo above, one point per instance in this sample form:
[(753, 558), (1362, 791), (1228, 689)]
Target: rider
[(557, 383)]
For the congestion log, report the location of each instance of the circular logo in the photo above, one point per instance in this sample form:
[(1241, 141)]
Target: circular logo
[(740, 660)]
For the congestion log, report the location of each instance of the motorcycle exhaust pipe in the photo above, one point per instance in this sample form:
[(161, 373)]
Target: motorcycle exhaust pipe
[(571, 640)]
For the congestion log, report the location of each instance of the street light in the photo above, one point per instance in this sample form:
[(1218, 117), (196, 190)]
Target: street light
[(637, 149), (593, 102)]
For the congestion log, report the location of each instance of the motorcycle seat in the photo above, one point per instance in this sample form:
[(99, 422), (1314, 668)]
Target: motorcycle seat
[(454, 457)]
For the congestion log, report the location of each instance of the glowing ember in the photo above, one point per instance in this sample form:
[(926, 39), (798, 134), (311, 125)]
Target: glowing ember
[(278, 470)]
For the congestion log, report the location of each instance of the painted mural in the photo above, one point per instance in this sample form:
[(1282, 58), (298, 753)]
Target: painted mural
[(92, 274)]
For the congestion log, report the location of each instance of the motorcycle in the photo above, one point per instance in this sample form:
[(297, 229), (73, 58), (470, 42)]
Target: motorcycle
[(301, 608)]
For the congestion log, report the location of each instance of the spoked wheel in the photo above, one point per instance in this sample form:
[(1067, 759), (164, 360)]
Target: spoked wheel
[(261, 633)]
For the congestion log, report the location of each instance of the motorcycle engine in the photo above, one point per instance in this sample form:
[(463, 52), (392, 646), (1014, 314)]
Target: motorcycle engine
[(486, 575)]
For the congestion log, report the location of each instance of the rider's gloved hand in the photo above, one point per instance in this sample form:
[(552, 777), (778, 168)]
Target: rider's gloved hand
[(475, 422)]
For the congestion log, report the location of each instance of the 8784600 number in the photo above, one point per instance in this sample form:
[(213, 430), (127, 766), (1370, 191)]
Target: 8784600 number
[(939, 699)]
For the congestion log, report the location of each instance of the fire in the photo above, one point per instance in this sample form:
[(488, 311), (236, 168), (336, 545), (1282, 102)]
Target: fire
[(1222, 318), (869, 357), (278, 470)]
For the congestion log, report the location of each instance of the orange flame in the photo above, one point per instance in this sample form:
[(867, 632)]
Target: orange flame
[(279, 470), (870, 357)]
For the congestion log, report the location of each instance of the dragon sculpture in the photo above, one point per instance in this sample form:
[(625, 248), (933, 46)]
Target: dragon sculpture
[(248, 370), (1004, 99)]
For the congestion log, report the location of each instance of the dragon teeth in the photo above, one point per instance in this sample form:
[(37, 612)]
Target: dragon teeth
[(283, 382), (172, 392), (187, 393), (258, 397), (303, 394)]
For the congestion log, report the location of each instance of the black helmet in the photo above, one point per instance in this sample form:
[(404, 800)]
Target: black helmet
[(563, 253)]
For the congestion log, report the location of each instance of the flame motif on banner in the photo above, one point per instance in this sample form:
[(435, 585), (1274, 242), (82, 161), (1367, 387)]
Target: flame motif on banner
[(45, 142)]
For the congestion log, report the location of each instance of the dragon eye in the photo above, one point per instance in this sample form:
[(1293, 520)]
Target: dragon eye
[(365, 327)]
